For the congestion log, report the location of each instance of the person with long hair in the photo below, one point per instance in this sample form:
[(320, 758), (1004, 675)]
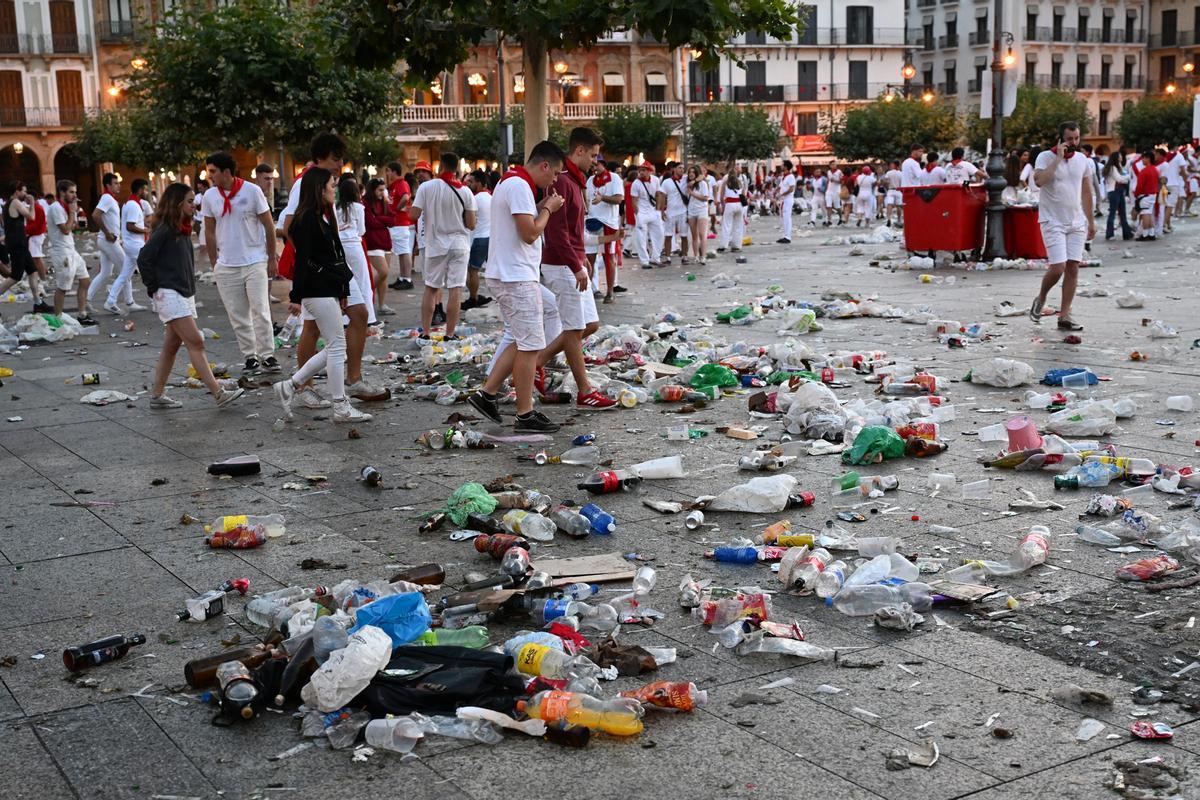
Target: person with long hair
[(699, 196), (360, 308), (1116, 184), (733, 214), (17, 213), (321, 287), (168, 268), (379, 221)]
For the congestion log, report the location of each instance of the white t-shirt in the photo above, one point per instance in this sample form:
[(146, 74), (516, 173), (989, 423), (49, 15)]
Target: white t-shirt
[(110, 211), (352, 223), (676, 191), (509, 257), (835, 181), (60, 243), (866, 184), (644, 193), (787, 186), (607, 213), (698, 207), (712, 184), (911, 173), (292, 203), (894, 179), (1173, 172), (442, 207), (937, 176), (1027, 176), (133, 212), (1061, 200), (960, 172), (483, 216), (241, 240)]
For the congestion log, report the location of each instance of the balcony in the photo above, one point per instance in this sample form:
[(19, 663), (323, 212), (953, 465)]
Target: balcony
[(948, 88), (926, 3), (443, 114), (791, 93), (115, 31), (1063, 36), (34, 117), (949, 40), (67, 44), (1179, 39), (1038, 34), (980, 37), (1129, 37), (758, 93), (975, 85), (870, 37)]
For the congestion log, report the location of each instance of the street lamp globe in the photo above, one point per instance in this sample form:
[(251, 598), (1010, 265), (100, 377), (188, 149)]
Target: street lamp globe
[(927, 97), (1170, 88), (908, 72), (560, 67), (1189, 67)]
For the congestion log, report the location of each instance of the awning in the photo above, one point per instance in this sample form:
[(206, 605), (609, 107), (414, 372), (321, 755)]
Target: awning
[(1109, 12), (951, 63), (951, 17), (1131, 12), (1106, 59), (1032, 9), (1056, 58), (981, 12), (981, 61), (1082, 58), (1105, 105), (614, 79), (1130, 59), (927, 19), (656, 79), (1060, 10), (1084, 11)]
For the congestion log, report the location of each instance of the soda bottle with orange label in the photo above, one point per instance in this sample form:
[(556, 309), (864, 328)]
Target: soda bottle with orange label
[(664, 694), (621, 716)]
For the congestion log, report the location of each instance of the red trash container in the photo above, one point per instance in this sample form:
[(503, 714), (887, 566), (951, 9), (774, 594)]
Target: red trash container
[(1022, 233), (944, 217)]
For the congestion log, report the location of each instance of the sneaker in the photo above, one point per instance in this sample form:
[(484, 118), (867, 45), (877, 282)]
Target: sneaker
[(608, 298), (783, 241), (648, 266), (720, 249), (594, 401), (162, 401), (252, 364), (361, 390), (86, 320), (1065, 323), (386, 311), (439, 315), (344, 412), (619, 289), (271, 364), (227, 396), (404, 285), (285, 390), (1035, 311), (468, 304), (309, 398), (482, 301), (534, 422), (43, 308), (135, 307), (539, 380), (113, 308), (397, 284), (485, 405)]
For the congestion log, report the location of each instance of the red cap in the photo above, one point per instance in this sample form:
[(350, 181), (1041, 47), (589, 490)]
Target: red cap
[(423, 165)]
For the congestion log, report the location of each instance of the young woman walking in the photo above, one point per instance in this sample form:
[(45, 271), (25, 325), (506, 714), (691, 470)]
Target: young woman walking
[(168, 268), (379, 221), (699, 196)]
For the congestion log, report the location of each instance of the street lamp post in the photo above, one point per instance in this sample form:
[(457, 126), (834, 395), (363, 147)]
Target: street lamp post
[(993, 246)]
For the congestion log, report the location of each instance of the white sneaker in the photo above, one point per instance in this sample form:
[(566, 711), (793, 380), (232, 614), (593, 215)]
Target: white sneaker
[(162, 401), (113, 308), (285, 390), (308, 398), (344, 412), (386, 311), (135, 307), (227, 396), (361, 390)]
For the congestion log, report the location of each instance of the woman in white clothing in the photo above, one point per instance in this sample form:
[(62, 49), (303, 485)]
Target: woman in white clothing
[(733, 216), (699, 196), (352, 226)]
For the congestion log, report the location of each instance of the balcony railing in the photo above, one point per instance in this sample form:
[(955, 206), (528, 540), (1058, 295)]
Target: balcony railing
[(1071, 82), (758, 93), (115, 31), (34, 44), (825, 37), (439, 114), (949, 40), (948, 88), (1181, 39), (926, 3), (980, 37), (42, 117), (975, 85)]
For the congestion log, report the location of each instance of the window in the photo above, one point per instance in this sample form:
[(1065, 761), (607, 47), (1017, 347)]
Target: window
[(1170, 36), (806, 124), (1031, 27), (118, 10), (1106, 29), (519, 87), (858, 80), (981, 28), (12, 98), (1081, 26), (614, 87), (1102, 122), (756, 73), (70, 96), (1195, 23), (1166, 69), (1056, 32), (927, 36), (1127, 76), (1106, 75), (979, 68), (63, 33), (656, 87), (806, 80), (705, 84), (1081, 74), (860, 25), (756, 37), (806, 27), (927, 77), (1056, 74), (1131, 27), (952, 80), (9, 40), (1030, 72), (951, 32)]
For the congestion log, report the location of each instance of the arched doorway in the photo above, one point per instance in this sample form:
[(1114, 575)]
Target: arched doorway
[(68, 165), (21, 166)]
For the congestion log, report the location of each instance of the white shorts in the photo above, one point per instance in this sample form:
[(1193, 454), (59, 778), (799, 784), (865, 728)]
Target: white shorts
[(1144, 204), (520, 304), (1174, 195), (591, 243), (402, 239), (170, 305), (1063, 242), (573, 305), (447, 270), (862, 203), (676, 226), (35, 245), (894, 197), (590, 314), (833, 198), (377, 253), (68, 267)]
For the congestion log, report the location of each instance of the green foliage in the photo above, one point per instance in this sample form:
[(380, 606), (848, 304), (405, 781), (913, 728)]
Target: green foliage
[(628, 130), (133, 137), (480, 138), (725, 132), (1035, 119), (886, 130), (374, 142), (1156, 119)]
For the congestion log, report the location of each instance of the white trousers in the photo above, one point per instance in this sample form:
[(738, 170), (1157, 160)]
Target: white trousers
[(785, 215), (124, 281), (327, 313), (356, 258), (733, 225), (112, 259), (244, 291), (650, 236), (818, 204)]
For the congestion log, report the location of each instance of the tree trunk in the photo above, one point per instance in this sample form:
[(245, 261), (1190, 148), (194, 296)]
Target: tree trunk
[(537, 125)]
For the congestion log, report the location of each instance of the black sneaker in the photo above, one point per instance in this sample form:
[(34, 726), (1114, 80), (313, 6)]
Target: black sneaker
[(485, 405), (619, 289), (468, 304), (396, 284), (252, 365), (86, 320), (404, 285), (439, 315), (482, 301), (42, 308), (271, 364), (534, 422)]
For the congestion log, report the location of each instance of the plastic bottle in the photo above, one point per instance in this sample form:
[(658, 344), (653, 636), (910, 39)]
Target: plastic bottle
[(515, 562), (874, 571), (644, 580), (664, 694), (602, 522), (328, 635), (677, 394), (580, 456), (619, 717), (804, 575), (1032, 551), (100, 652), (264, 609), (88, 379), (831, 579), (609, 481), (538, 659), (580, 591), (666, 467), (571, 522), (862, 601), (1087, 474), (497, 544), (599, 617), (473, 636), (530, 525), (1090, 533), (370, 476), (734, 555), (290, 326), (273, 524), (1128, 466), (238, 690), (546, 610)]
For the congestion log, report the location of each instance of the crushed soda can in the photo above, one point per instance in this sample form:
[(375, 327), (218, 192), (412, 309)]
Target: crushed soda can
[(1107, 505), (1144, 729)]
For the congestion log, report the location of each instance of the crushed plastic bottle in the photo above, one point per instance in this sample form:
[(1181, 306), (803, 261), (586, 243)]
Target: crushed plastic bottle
[(620, 716), (530, 525), (864, 601)]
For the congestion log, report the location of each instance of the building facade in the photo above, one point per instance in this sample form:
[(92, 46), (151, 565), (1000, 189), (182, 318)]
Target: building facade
[(1173, 46)]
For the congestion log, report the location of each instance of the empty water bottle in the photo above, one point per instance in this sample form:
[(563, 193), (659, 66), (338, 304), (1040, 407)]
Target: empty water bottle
[(831, 579), (530, 525), (1090, 533), (328, 636), (571, 522), (862, 601), (580, 591), (602, 521)]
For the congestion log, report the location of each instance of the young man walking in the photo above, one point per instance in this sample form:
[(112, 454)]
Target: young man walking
[(17, 214), (514, 266), (643, 193), (478, 183), (239, 236), (133, 236), (673, 188), (399, 198), (446, 209), (604, 195), (107, 216), (1065, 214), (68, 265), (787, 200)]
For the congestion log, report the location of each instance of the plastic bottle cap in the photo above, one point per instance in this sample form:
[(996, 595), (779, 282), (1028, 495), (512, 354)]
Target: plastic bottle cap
[(247, 712), (521, 706)]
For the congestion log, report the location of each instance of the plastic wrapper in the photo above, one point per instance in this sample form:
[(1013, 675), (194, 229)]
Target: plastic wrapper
[(403, 617), (873, 444), (766, 495), (1147, 569), (664, 694), (349, 670), (1002, 372), (900, 617)]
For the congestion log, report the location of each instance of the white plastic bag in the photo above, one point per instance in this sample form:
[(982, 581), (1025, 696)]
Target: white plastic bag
[(1088, 419), (1003, 372), (756, 496), (349, 670), (1131, 299)]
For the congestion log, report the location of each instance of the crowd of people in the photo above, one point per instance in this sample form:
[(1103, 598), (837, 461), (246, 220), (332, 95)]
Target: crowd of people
[(545, 241)]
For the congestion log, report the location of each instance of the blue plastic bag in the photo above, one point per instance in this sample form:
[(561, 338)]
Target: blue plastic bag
[(1054, 377), (403, 617)]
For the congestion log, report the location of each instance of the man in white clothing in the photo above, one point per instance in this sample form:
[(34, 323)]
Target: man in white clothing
[(960, 171), (477, 182), (673, 189), (787, 199), (133, 235), (107, 216), (833, 193), (644, 192), (893, 202), (68, 265), (1174, 170), (448, 211), (911, 173)]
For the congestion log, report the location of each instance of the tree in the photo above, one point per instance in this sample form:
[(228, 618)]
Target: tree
[(434, 36), (246, 74), (1035, 119), (628, 131), (1156, 119), (725, 133), (131, 136), (887, 129), (479, 139)]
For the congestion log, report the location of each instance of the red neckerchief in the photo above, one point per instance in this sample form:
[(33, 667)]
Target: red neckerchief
[(135, 201), (518, 171), (114, 195), (228, 198), (955, 161), (930, 167), (1055, 151), (601, 178), (185, 227), (451, 178), (576, 173)]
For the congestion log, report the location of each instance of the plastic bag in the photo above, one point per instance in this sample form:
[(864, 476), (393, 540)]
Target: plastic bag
[(799, 320), (403, 617), (756, 496), (1147, 569), (1054, 377), (47, 328), (1131, 299), (470, 498), (714, 375), (1091, 419), (1002, 372), (349, 670), (874, 444)]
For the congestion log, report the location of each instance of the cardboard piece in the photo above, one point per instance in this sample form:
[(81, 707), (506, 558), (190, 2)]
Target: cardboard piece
[(738, 433), (966, 592), (663, 370), (572, 568)]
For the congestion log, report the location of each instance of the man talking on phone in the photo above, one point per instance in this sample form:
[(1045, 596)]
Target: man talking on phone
[(1065, 215)]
